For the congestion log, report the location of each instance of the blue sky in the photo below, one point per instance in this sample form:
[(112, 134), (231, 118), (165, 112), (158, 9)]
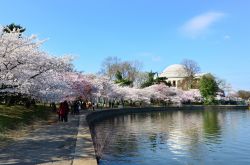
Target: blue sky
[(158, 33)]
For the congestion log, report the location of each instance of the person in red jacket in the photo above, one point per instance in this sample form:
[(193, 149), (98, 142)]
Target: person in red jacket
[(63, 112), (66, 111), (60, 112)]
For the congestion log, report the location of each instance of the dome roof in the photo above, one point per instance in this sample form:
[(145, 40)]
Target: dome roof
[(175, 71)]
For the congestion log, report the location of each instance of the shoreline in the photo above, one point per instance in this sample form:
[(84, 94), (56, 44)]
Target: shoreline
[(106, 113)]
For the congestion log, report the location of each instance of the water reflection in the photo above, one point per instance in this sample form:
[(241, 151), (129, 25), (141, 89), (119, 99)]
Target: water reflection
[(174, 137), (211, 126)]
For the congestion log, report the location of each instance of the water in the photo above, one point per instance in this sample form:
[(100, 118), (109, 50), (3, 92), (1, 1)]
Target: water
[(175, 137)]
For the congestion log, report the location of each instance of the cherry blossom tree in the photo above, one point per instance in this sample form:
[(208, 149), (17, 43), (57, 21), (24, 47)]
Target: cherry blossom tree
[(25, 68)]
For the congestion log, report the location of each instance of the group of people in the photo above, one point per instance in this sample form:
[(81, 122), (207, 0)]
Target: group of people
[(72, 107)]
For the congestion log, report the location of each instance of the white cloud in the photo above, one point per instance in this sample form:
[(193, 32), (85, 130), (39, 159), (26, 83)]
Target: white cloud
[(156, 58), (227, 37), (150, 55), (198, 25), (144, 54)]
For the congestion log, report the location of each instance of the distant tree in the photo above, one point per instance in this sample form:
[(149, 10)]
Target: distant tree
[(110, 66), (244, 94), (208, 88), (140, 79), (161, 80), (191, 68), (151, 80), (184, 84), (122, 81), (224, 87), (13, 28), (128, 69)]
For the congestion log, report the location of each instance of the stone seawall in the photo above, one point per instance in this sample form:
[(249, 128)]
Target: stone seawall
[(84, 148), (226, 107), (103, 114)]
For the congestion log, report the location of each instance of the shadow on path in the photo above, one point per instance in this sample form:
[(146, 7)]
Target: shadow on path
[(50, 144)]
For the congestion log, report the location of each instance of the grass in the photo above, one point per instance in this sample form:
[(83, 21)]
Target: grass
[(16, 117)]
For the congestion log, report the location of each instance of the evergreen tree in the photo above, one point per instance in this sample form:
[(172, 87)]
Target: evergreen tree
[(208, 88), (152, 80), (13, 27), (122, 81)]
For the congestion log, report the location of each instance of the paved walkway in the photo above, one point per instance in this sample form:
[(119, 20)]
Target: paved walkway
[(49, 144)]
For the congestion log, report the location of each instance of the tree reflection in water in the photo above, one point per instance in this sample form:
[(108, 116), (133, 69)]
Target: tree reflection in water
[(111, 134), (211, 126), (171, 137)]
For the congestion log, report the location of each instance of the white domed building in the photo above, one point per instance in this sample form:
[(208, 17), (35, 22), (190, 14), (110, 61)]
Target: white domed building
[(175, 74)]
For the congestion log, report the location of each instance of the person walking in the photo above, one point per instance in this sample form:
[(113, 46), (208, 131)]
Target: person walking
[(93, 106), (65, 111), (53, 107), (79, 107), (76, 108), (60, 112)]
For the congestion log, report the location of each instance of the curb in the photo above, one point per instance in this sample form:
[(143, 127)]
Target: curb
[(84, 149)]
